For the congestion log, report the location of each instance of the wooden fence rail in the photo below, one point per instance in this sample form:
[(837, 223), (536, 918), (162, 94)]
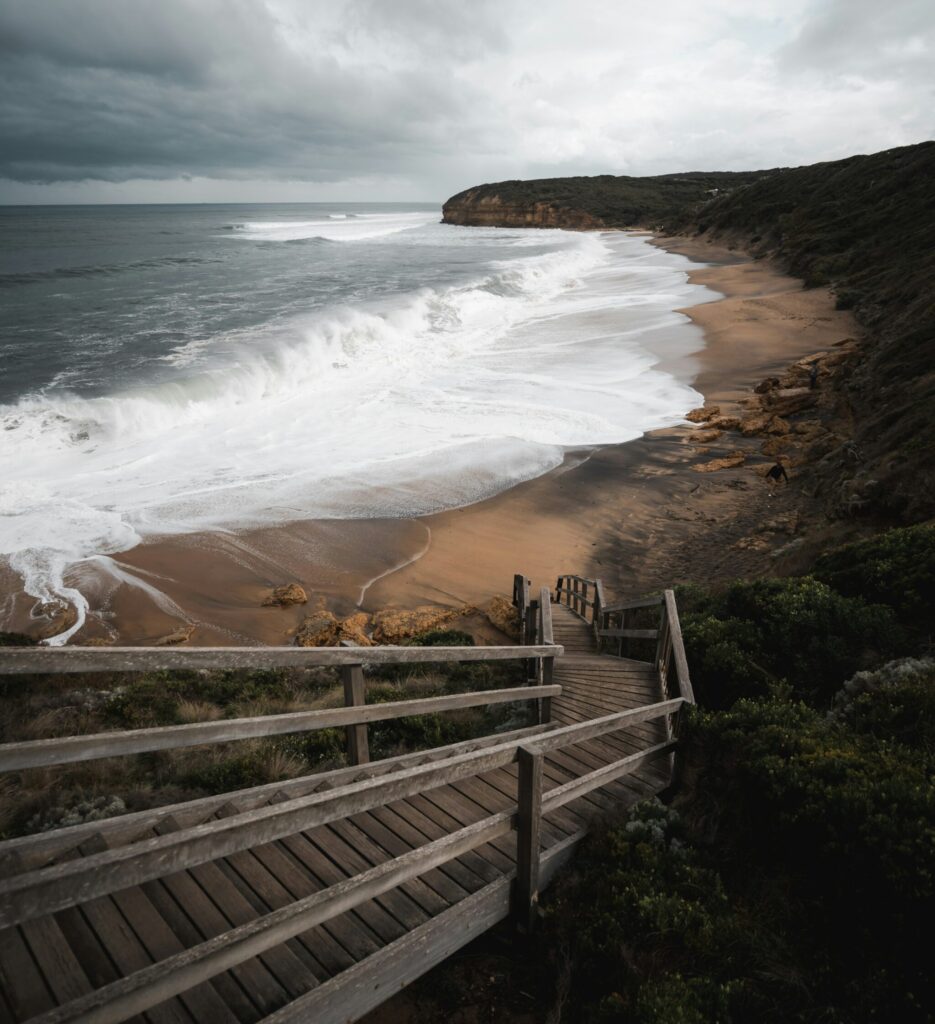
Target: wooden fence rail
[(57, 887), (65, 750), (40, 877)]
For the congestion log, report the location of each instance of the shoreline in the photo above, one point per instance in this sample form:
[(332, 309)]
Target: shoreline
[(635, 513)]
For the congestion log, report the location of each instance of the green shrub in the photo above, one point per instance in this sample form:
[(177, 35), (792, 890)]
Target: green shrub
[(849, 822), (895, 704), (896, 568), (760, 633), (648, 931), (442, 638)]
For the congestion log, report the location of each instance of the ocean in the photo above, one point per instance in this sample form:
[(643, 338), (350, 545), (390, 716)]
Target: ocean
[(170, 369)]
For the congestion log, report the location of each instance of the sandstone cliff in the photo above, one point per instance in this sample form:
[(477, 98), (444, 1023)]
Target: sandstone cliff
[(474, 208), (586, 203)]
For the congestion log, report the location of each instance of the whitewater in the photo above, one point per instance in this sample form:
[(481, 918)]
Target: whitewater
[(170, 372)]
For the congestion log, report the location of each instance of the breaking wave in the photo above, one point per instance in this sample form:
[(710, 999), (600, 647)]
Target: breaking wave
[(436, 398)]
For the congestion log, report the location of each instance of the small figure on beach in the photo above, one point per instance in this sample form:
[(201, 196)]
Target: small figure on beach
[(776, 473), (813, 376)]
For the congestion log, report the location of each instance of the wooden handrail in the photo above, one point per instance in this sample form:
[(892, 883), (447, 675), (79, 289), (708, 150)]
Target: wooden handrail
[(25, 853), (678, 648), (68, 749), (259, 816), (152, 985), (50, 889), (642, 602), (62, 660)]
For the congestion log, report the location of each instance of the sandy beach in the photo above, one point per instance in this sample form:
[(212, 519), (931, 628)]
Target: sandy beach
[(637, 515)]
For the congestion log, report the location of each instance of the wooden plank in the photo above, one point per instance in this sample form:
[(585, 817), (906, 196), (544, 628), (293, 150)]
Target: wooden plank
[(415, 829), (364, 987), (434, 891), (149, 987), (23, 983), (545, 606), (49, 889), (127, 953), (201, 1001), (61, 660), (358, 749), (471, 870), (68, 749), (61, 970), (438, 807), (369, 925), (29, 852), (529, 819), (411, 904), (631, 634), (334, 945), (215, 904), (233, 991)]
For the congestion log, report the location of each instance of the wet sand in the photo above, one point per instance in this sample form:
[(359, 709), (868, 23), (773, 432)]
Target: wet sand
[(635, 514)]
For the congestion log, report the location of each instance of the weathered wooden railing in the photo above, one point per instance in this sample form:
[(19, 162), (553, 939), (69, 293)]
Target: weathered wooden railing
[(355, 717), (535, 625), (34, 893), (612, 623), (41, 875)]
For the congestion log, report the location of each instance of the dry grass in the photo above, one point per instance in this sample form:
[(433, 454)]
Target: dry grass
[(190, 711)]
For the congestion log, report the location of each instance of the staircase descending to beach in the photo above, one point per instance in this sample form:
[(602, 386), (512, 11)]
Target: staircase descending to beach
[(317, 898)]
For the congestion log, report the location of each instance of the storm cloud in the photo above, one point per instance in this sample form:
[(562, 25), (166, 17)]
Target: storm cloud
[(202, 99)]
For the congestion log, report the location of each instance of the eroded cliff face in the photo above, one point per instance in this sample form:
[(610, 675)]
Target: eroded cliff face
[(474, 208)]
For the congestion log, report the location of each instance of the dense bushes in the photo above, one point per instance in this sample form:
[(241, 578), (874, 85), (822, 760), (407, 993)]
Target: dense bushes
[(793, 878), (792, 885), (755, 636), (896, 568)]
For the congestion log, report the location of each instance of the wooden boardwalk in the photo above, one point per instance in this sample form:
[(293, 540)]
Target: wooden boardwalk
[(411, 859)]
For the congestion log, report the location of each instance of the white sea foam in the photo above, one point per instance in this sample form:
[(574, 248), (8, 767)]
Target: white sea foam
[(333, 227), (434, 399)]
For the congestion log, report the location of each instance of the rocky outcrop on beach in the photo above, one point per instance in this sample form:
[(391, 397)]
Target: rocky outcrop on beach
[(181, 635), (393, 626), (502, 614), (322, 628), (798, 421), (286, 595)]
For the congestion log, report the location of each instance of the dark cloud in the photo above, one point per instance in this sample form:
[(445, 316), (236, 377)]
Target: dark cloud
[(440, 93), (109, 90)]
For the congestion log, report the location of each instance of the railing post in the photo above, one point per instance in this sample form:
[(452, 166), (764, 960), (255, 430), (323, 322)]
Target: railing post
[(545, 704), (358, 748), (528, 821)]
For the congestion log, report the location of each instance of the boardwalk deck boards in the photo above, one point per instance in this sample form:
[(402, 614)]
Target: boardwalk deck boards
[(342, 967)]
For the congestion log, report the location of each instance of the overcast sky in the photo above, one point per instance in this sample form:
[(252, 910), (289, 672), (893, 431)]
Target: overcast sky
[(265, 100)]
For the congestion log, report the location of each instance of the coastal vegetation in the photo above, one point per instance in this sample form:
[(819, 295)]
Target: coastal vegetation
[(605, 200), (791, 876), (40, 707)]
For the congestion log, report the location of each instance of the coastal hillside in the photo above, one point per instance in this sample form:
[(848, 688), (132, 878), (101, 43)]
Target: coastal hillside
[(603, 201), (861, 226)]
